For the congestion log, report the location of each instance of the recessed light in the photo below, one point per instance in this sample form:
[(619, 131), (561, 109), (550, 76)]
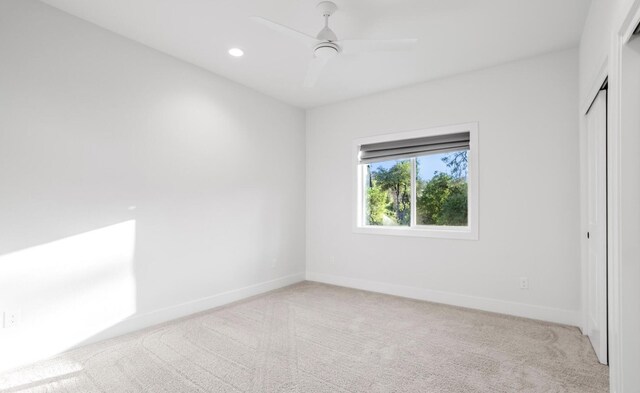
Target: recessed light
[(236, 52)]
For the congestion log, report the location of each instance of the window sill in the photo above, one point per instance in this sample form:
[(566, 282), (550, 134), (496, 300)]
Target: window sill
[(464, 233)]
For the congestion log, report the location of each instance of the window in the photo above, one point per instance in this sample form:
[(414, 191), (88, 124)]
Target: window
[(418, 183), (388, 193)]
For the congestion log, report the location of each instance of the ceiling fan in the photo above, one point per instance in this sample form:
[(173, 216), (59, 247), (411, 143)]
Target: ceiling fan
[(326, 44)]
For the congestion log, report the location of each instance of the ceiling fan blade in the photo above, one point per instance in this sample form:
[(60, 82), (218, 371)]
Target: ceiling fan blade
[(302, 37), (313, 72), (362, 46)]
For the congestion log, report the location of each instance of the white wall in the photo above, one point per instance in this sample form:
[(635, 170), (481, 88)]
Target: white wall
[(91, 124), (529, 192)]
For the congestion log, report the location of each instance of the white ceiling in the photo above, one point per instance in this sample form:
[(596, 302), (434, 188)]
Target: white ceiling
[(455, 36)]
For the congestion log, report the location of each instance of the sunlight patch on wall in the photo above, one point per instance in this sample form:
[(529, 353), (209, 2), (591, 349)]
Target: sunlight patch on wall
[(66, 291)]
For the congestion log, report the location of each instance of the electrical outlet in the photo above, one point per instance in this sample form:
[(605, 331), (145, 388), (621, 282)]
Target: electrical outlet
[(11, 319), (524, 283)]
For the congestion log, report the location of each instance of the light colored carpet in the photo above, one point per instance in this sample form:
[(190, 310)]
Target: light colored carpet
[(312, 337)]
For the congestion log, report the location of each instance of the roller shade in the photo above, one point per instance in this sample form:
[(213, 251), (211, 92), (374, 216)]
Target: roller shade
[(405, 148)]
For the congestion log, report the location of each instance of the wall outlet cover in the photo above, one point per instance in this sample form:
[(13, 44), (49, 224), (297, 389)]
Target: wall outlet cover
[(11, 318)]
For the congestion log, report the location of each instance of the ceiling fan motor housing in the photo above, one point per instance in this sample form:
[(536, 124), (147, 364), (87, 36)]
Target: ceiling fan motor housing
[(327, 34)]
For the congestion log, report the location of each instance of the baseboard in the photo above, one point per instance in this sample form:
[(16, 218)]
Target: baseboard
[(148, 319), (549, 314)]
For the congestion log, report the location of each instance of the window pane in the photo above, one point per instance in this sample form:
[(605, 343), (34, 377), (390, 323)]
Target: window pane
[(441, 187), (388, 193)]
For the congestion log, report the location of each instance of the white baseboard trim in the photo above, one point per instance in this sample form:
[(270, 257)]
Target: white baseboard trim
[(549, 314), (148, 319)]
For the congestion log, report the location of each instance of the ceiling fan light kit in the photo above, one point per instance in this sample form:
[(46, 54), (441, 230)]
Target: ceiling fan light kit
[(326, 44), (326, 50)]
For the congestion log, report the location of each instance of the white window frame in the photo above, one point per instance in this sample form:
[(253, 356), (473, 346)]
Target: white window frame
[(469, 232)]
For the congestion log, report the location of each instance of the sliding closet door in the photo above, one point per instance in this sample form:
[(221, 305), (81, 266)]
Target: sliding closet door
[(597, 220)]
